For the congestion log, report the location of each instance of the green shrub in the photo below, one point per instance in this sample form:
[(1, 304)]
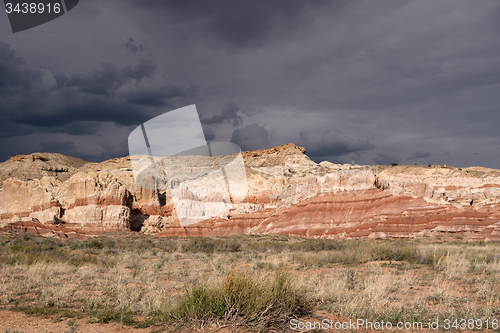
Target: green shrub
[(239, 296), (210, 245), (200, 302)]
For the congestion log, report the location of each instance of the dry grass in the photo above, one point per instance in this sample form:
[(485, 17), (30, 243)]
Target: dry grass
[(142, 280)]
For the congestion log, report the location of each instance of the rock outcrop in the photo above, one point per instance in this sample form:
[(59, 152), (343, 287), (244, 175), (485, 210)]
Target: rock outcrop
[(52, 194), (35, 166), (95, 197)]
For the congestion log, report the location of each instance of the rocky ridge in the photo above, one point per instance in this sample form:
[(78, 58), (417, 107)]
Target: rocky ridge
[(56, 195)]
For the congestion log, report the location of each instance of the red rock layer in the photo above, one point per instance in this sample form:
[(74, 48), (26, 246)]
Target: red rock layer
[(288, 194), (373, 214), (45, 230)]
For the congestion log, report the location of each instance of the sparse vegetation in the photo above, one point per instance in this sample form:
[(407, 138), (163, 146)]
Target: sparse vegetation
[(72, 328), (143, 280), (239, 297)]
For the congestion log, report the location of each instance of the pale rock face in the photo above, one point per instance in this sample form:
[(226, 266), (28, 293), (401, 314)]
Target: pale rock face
[(287, 194), (91, 216), (442, 185), (37, 165), (92, 199), (155, 223), (28, 199)]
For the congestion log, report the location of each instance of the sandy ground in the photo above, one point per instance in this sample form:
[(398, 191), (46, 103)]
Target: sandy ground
[(12, 321), (37, 324), (16, 321)]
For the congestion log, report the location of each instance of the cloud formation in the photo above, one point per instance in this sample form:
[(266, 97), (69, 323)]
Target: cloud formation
[(384, 158), (237, 25), (209, 134), (108, 78), (38, 100), (229, 114), (66, 147), (133, 47), (394, 76), (251, 137), (419, 154), (327, 145)]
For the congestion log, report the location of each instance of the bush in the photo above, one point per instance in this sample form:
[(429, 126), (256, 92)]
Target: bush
[(315, 245), (210, 245), (239, 297), (201, 302)]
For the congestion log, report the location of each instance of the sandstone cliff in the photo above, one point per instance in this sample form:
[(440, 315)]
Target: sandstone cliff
[(52, 194)]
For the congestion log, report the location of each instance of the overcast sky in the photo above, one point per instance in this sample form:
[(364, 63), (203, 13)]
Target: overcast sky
[(364, 81)]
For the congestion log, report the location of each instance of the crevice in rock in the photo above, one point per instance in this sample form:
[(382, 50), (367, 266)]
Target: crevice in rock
[(137, 219), (162, 197)]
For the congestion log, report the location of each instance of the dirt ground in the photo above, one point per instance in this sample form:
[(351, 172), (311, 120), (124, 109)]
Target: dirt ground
[(16, 321), (142, 275), (10, 320), (21, 322)]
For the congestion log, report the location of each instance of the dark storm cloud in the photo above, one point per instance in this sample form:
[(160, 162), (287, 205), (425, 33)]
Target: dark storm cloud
[(159, 95), (237, 24), (327, 144), (419, 154), (75, 128), (396, 76), (229, 114), (250, 137), (35, 100), (15, 74), (66, 147), (108, 78), (79, 112), (133, 47), (386, 158), (209, 134)]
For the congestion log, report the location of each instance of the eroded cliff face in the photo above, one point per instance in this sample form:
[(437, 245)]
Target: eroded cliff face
[(287, 194), (93, 198)]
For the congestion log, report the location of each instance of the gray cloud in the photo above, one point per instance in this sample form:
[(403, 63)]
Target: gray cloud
[(15, 74), (133, 47), (419, 154), (66, 147), (229, 114), (209, 134), (394, 75), (250, 137), (108, 78), (237, 25), (386, 158), (38, 101), (327, 145)]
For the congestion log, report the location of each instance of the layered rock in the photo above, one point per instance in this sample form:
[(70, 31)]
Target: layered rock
[(287, 194), (29, 200), (436, 184), (96, 197), (37, 165)]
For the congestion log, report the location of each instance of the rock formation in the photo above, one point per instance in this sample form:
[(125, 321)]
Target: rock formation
[(55, 195)]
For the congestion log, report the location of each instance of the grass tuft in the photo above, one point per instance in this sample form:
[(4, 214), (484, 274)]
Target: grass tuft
[(240, 297)]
